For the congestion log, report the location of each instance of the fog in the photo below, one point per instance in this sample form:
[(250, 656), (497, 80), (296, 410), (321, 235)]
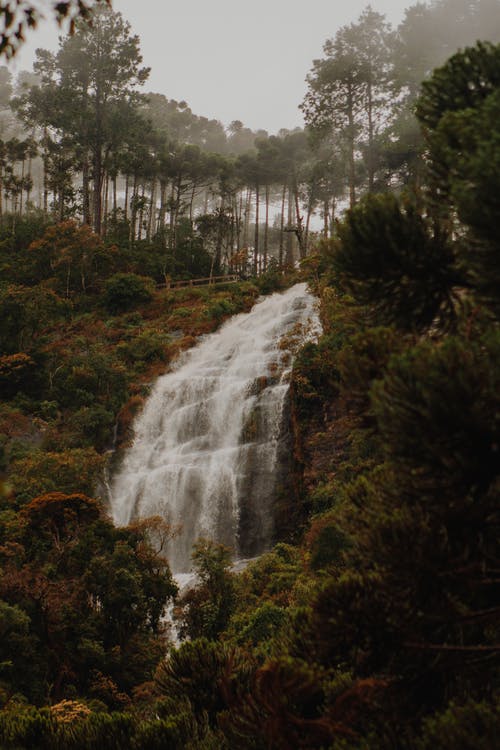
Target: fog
[(233, 60)]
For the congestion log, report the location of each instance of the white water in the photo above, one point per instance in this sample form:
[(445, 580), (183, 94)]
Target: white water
[(207, 443)]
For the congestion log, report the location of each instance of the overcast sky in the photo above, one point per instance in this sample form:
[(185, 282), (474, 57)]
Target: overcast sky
[(232, 59)]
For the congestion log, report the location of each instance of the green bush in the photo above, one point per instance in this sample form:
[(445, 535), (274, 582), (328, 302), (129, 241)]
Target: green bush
[(148, 346), (272, 280), (125, 291), (326, 542), (219, 308), (172, 732), (94, 424), (474, 726), (24, 313), (182, 312), (262, 624), (90, 377), (67, 471), (201, 672), (30, 730), (315, 375)]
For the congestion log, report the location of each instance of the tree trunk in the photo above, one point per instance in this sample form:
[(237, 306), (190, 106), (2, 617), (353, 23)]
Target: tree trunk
[(232, 233), (219, 240), (30, 178), (85, 192), (351, 143), (191, 204), (106, 202), (97, 196), (141, 212), (256, 259), (61, 204), (171, 220), (239, 216), (282, 229), (266, 229), (125, 208), (133, 211), (68, 276), (176, 214), (163, 206), (44, 176), (308, 223), (289, 238), (152, 209), (22, 189), (45, 186), (299, 219), (371, 137)]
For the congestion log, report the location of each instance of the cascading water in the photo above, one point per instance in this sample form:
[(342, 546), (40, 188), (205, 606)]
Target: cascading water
[(207, 443)]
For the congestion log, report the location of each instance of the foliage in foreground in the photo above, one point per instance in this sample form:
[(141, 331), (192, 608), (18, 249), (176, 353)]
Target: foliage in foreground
[(379, 628)]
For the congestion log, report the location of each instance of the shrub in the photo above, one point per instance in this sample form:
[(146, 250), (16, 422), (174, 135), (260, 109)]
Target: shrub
[(262, 624), (202, 672), (31, 730), (315, 375), (208, 607), (94, 424), (148, 346), (326, 541), (24, 313), (72, 256), (68, 471), (219, 308), (272, 280), (182, 312), (90, 377), (125, 291), (474, 726)]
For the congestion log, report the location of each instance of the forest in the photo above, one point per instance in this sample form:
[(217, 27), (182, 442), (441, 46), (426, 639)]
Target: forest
[(374, 621)]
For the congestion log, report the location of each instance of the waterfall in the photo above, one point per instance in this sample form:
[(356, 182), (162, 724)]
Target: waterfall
[(208, 441)]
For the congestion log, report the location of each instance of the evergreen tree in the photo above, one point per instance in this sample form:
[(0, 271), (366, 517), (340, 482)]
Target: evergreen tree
[(459, 109), (89, 84), (394, 261), (349, 91)]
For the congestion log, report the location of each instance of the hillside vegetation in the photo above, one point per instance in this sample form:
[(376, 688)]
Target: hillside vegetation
[(374, 622)]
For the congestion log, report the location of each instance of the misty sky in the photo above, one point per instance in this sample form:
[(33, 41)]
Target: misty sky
[(232, 59)]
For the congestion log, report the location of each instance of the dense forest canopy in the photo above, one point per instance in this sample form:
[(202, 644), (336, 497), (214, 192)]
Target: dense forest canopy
[(374, 621)]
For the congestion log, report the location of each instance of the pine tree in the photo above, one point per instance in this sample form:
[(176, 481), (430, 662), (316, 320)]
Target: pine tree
[(395, 262)]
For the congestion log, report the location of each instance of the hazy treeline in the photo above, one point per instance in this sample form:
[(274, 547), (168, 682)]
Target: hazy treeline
[(140, 167)]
